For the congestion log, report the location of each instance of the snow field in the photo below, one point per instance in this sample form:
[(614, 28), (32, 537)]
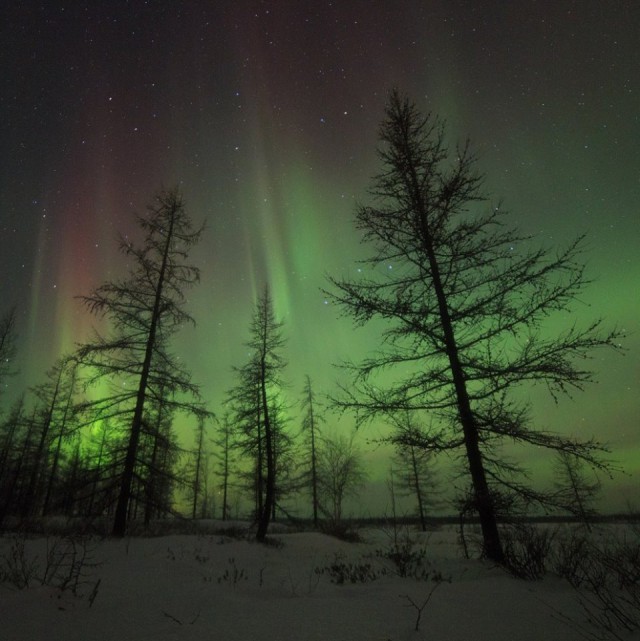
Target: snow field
[(210, 587)]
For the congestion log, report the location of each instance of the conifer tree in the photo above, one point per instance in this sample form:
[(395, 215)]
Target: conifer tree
[(143, 311), (310, 427), (465, 300), (255, 407)]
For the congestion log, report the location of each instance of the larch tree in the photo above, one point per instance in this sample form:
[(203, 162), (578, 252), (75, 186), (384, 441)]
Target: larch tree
[(223, 440), (310, 427), (54, 400), (465, 301), (143, 311), (64, 425), (255, 406), (247, 432), (196, 468)]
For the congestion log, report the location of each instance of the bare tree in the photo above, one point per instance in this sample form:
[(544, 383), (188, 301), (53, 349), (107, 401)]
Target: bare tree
[(340, 473), (145, 310), (465, 301)]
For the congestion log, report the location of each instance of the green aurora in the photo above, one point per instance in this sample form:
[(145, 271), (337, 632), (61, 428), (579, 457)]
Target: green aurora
[(266, 115)]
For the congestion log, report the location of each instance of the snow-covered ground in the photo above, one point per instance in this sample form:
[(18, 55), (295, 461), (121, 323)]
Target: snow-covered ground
[(214, 587)]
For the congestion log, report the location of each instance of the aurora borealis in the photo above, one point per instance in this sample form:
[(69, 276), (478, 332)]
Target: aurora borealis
[(265, 114)]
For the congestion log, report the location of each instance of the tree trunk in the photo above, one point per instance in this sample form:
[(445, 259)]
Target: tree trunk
[(196, 480), (225, 475), (269, 499), (418, 489), (314, 461), (492, 548)]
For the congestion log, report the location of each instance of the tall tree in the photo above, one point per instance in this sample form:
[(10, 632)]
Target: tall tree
[(223, 455), (247, 432), (310, 427), (465, 302), (63, 426), (256, 406), (144, 310), (197, 468), (53, 398)]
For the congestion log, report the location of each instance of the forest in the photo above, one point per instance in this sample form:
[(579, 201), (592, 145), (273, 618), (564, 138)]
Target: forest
[(464, 312), (285, 356)]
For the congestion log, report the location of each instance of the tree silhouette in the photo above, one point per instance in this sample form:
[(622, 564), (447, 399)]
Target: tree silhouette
[(310, 428), (196, 469), (55, 402), (144, 310), (161, 452), (14, 446), (340, 474), (224, 458), (247, 431), (465, 302), (414, 465), (63, 426), (575, 492), (256, 410)]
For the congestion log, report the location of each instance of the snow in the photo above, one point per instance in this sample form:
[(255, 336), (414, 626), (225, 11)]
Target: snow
[(210, 586)]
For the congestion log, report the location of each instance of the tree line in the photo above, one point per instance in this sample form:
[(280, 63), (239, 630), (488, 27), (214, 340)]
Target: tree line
[(466, 306), (99, 436)]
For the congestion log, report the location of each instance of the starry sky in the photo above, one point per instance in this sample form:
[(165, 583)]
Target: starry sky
[(266, 114)]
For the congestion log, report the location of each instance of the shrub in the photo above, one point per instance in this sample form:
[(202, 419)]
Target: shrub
[(408, 558), (233, 574), (526, 548), (567, 556), (67, 564), (341, 572)]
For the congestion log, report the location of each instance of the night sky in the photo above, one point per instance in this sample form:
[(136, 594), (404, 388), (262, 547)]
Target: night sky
[(266, 115)]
